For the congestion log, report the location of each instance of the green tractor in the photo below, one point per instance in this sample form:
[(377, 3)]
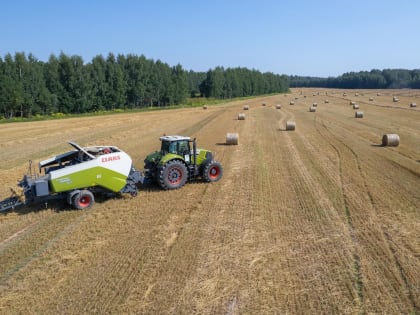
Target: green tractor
[(179, 161)]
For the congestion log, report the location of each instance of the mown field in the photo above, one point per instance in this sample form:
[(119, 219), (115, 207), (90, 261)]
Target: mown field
[(320, 220)]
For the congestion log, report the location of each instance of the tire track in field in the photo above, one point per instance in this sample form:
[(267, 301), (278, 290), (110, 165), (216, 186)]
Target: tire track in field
[(365, 188), (202, 123), (50, 231), (320, 212)]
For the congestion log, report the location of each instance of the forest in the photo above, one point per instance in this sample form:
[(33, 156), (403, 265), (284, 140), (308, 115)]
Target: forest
[(66, 84), (374, 79)]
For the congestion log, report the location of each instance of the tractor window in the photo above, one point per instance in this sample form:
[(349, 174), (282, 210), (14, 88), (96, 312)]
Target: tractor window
[(168, 147), (183, 148)]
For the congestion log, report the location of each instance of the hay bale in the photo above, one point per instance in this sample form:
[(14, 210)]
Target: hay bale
[(352, 102), (413, 105), (355, 106), (232, 138), (344, 94), (205, 107), (292, 102), (315, 104), (278, 106), (241, 116), (246, 107), (395, 99), (326, 101), (358, 114), (391, 140), (371, 99), (356, 94), (378, 94), (290, 125), (312, 109)]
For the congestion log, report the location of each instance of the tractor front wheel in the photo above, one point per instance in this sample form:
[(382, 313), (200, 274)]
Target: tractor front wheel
[(172, 175), (213, 171), (83, 200)]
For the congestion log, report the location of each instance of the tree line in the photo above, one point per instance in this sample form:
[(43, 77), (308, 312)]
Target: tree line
[(374, 79), (65, 84)]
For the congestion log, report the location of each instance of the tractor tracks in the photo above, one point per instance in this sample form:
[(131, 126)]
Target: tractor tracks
[(340, 147)]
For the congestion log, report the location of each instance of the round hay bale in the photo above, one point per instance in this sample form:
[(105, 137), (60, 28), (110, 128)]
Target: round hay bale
[(246, 107), (290, 125), (241, 116), (292, 102), (358, 114), (356, 94), (278, 106), (395, 99), (232, 138), (391, 140), (205, 107), (352, 102), (378, 94), (371, 99), (312, 109), (326, 101), (355, 106), (344, 94), (413, 105)]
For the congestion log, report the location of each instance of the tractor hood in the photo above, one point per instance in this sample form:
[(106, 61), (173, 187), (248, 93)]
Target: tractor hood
[(153, 158)]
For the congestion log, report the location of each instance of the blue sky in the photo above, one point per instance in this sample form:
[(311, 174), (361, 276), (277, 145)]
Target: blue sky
[(301, 37)]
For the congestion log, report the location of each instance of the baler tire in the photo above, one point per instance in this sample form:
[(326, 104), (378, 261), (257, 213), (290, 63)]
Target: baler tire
[(83, 200), (172, 175), (213, 171)]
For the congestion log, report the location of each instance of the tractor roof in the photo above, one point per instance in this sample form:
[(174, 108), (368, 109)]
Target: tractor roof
[(173, 138)]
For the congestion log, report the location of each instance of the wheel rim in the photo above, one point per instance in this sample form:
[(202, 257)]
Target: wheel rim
[(214, 172), (85, 201), (175, 175)]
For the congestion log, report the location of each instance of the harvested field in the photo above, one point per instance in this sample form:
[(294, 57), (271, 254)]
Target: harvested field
[(322, 220)]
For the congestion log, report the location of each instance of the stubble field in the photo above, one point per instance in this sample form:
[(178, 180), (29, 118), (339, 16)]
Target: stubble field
[(322, 219)]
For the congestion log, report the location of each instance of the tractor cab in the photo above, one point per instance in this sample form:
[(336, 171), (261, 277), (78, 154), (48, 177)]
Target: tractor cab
[(178, 145)]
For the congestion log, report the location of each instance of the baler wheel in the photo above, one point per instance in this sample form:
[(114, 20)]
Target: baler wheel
[(83, 200)]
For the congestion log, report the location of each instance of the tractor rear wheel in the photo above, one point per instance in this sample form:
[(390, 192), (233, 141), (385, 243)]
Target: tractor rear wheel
[(213, 171), (83, 200), (172, 175)]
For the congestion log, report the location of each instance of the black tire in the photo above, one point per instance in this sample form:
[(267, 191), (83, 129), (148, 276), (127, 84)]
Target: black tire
[(172, 175), (213, 171), (83, 200)]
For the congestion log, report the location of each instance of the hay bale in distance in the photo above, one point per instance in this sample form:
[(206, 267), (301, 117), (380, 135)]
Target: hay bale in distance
[(413, 105), (395, 99), (352, 102), (371, 99), (326, 101), (355, 106), (358, 114), (292, 103), (315, 104), (205, 107), (312, 109), (232, 138), (290, 125), (241, 116), (390, 140), (246, 107), (278, 106)]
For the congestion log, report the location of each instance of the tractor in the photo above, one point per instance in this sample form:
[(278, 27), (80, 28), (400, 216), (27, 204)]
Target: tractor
[(179, 161)]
